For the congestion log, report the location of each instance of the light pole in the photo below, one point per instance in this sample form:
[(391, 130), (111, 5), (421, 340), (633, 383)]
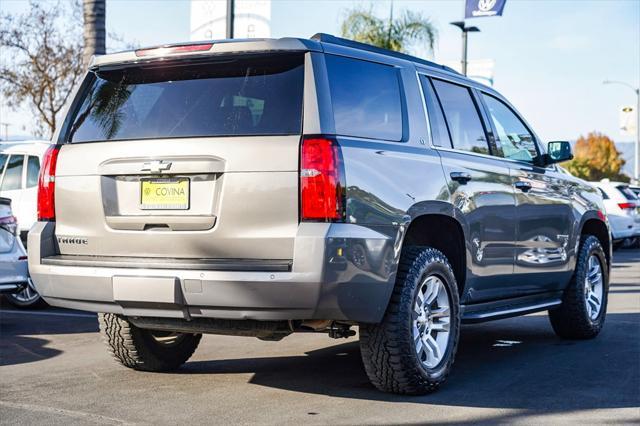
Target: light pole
[(465, 30), (636, 169)]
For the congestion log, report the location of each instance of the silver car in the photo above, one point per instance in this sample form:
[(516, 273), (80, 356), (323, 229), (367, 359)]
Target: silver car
[(263, 187), (13, 259)]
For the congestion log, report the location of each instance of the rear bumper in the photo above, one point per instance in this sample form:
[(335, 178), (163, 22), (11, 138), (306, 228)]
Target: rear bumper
[(339, 272)]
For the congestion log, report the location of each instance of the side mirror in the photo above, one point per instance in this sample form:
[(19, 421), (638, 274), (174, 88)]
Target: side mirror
[(557, 152)]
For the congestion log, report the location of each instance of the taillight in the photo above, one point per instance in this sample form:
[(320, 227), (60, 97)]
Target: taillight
[(47, 185), (627, 206), (321, 180), (10, 224)]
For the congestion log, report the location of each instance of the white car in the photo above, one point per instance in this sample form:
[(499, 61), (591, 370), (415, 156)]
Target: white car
[(19, 170), (623, 209), (13, 259)]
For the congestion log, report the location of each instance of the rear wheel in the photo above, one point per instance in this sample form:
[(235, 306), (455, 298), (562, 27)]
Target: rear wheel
[(27, 298), (411, 351), (584, 303), (146, 350)]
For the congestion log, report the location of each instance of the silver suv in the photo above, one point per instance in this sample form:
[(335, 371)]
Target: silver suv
[(264, 187)]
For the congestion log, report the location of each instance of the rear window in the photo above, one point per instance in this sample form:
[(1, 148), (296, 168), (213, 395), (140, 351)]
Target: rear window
[(366, 98), (627, 192), (231, 97)]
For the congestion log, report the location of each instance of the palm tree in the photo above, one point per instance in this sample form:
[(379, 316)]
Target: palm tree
[(395, 34), (94, 13)]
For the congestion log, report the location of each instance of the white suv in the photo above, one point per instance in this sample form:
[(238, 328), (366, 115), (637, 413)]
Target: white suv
[(623, 209), (19, 169)]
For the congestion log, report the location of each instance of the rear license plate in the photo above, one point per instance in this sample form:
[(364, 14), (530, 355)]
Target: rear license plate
[(164, 194)]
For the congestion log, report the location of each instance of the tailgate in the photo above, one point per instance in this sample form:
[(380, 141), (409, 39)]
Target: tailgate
[(184, 161)]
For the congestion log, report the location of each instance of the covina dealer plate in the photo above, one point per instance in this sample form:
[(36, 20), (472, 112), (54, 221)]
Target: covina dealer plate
[(164, 194)]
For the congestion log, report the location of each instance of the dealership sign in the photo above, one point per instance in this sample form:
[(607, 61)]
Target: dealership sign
[(483, 8)]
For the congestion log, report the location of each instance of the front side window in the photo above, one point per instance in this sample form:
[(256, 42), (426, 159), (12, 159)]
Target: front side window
[(366, 98), (462, 117), (512, 136), (13, 173), (243, 96)]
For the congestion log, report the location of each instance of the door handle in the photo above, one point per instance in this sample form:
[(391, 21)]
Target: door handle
[(522, 186), (462, 177)]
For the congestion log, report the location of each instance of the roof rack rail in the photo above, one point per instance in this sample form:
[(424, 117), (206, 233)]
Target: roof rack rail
[(331, 39)]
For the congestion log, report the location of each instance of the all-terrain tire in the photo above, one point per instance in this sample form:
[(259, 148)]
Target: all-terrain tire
[(571, 319), (140, 349), (388, 349)]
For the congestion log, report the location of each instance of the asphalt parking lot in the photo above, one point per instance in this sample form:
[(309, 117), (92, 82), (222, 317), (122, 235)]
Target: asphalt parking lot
[(54, 369)]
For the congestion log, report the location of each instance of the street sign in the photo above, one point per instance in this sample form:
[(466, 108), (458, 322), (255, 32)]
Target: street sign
[(628, 121)]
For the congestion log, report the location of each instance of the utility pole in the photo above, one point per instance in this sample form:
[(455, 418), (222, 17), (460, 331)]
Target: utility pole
[(636, 169), (230, 17), (465, 30)]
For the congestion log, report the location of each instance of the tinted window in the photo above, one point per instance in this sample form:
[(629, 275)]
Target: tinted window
[(439, 132), (627, 192), (462, 117), (366, 98), (3, 161), (13, 173), (512, 136), (604, 194), (245, 96), (33, 169)]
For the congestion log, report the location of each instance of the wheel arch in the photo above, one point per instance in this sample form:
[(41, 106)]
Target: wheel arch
[(594, 224), (440, 228)]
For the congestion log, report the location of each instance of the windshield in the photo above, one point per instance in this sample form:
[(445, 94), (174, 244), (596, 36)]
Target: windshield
[(232, 97)]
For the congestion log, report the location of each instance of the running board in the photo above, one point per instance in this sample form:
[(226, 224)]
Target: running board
[(489, 311)]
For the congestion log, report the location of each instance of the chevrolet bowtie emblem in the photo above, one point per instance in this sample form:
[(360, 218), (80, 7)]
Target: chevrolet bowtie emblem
[(155, 166)]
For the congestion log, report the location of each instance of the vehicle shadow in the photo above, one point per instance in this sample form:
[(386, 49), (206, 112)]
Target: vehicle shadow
[(19, 343), (517, 363)]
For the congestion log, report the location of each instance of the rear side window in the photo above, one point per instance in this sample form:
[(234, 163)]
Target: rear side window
[(439, 132), (366, 98), (13, 173), (512, 135), (226, 97), (462, 117), (33, 170)]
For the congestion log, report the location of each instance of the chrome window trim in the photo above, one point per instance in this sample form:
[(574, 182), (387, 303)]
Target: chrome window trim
[(551, 167)]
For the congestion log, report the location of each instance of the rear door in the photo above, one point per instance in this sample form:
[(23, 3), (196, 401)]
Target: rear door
[(546, 219), (481, 189), (184, 160)]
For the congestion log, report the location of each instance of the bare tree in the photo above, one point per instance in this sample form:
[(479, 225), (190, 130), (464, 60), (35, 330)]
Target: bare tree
[(41, 54), (94, 12)]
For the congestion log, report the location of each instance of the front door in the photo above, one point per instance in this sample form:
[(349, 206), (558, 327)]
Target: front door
[(545, 240)]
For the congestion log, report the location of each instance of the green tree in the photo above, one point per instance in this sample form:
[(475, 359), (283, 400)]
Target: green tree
[(595, 158), (397, 34)]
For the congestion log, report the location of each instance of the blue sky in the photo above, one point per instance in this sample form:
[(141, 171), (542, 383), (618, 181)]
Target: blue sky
[(551, 56)]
